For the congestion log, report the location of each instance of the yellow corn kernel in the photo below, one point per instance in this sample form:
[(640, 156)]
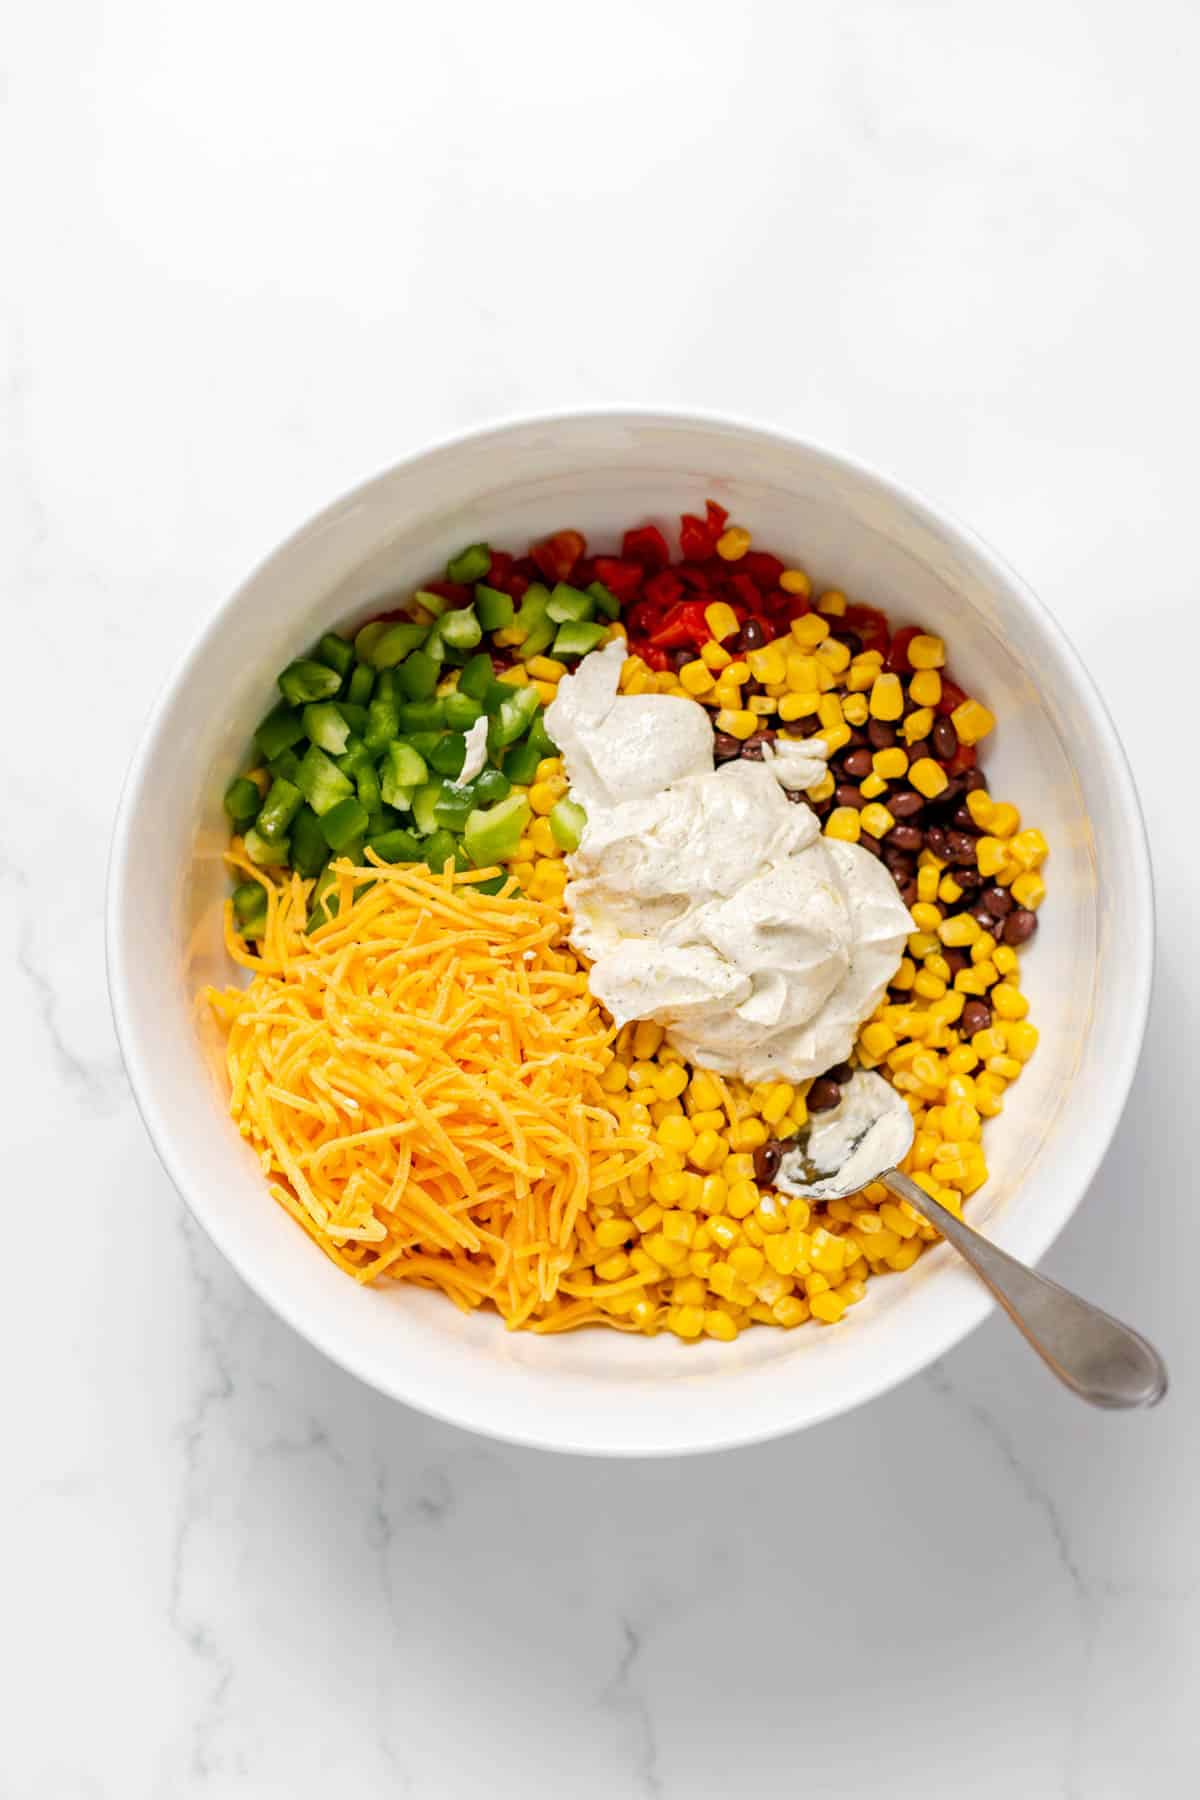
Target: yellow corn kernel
[(958, 931), (1006, 959), (795, 581), (1005, 820), (676, 1133), (708, 1119), (872, 786), (612, 1268), (737, 672), (876, 1039), (829, 710), (887, 697), (678, 1226), (508, 638), (1008, 1002), (667, 1252), (827, 1253), (833, 602), (739, 724), (549, 878), (821, 790), (762, 705), (809, 631), (720, 618), (972, 721), (928, 777), (790, 1311), (835, 737), (542, 838), (981, 807), (929, 986), (988, 1043), (1029, 889), (647, 1219), (547, 691), (670, 1080), (918, 725), (703, 1091), (708, 1151), (711, 654), (949, 890), (843, 823), (767, 664), (686, 1321), (905, 975), (1007, 1067), (743, 1198), (647, 1039), (714, 1195), (990, 855), (726, 696), (925, 687), (1029, 848), (876, 819), (855, 710), (733, 544), (926, 917), (828, 1307), (614, 1078), (724, 1232), (611, 1234), (921, 944), (925, 652), (748, 1134), (835, 655), (1021, 1038), (797, 1213), (719, 1325), (896, 1220), (891, 764), (801, 672), (546, 668), (782, 1251), (798, 706), (747, 1263), (695, 677), (927, 883), (860, 676), (545, 795)]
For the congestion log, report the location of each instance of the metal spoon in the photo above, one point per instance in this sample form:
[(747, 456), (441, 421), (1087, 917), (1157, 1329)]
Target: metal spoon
[(1104, 1362)]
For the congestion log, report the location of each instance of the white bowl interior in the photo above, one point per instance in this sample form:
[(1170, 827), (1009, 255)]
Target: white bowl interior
[(1054, 754)]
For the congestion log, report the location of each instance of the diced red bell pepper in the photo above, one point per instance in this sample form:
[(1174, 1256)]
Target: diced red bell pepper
[(698, 537), (797, 606), (585, 572), (453, 591), (896, 660), (952, 696), (517, 586), (685, 624), (557, 555), (664, 589), (646, 545), (624, 579), (694, 577), (868, 623), (653, 657), (643, 619), (746, 593), (500, 569), (763, 569), (964, 758)]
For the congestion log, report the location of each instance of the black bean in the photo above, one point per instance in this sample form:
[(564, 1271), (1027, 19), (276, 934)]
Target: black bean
[(858, 763), (857, 738), (840, 1072), (725, 746), (823, 1095), (968, 880), (752, 747), (820, 807), (908, 892), (753, 635), (767, 1159), (851, 640), (1020, 925), (906, 804), (976, 1016), (906, 837), (848, 795), (869, 843), (998, 901), (881, 734), (957, 961), (679, 659), (936, 842), (982, 918), (961, 819), (945, 739), (898, 866), (949, 797), (917, 751), (961, 847), (976, 781)]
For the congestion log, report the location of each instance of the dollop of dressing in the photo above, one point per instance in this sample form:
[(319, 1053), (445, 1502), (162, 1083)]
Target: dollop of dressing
[(708, 901), (870, 1130)]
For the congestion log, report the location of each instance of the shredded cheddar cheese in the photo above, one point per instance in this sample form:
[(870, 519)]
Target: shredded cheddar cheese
[(419, 1077)]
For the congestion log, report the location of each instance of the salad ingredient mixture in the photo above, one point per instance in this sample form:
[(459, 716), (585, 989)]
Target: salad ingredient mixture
[(708, 903), (420, 1060)]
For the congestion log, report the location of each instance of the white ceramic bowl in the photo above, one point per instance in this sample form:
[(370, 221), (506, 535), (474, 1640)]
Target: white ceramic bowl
[(1055, 753)]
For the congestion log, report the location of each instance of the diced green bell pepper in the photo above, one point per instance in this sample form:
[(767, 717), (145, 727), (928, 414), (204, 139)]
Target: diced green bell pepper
[(278, 809), (383, 714), (397, 846), (461, 711), (321, 781), (417, 676), (282, 727), (401, 770), (471, 564), (335, 652), (577, 637), (283, 767), (268, 853), (343, 823), (424, 800), (520, 763), (397, 639), (421, 715), (449, 754), (250, 907), (494, 608), (460, 628), (309, 849), (304, 680), (567, 602), (489, 786), (326, 726), (477, 676), (441, 848), (453, 807), (361, 683), (491, 834), (242, 803), (567, 820), (606, 600), (514, 717), (540, 739)]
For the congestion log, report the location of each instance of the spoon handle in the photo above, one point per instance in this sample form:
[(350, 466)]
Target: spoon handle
[(1104, 1362)]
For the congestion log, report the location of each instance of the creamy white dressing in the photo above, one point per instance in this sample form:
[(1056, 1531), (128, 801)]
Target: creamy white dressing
[(870, 1130), (706, 899), (476, 753)]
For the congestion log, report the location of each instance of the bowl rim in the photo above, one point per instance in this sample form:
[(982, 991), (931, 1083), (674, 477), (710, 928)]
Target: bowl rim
[(976, 1304)]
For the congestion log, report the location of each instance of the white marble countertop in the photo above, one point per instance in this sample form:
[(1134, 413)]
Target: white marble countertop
[(257, 252)]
